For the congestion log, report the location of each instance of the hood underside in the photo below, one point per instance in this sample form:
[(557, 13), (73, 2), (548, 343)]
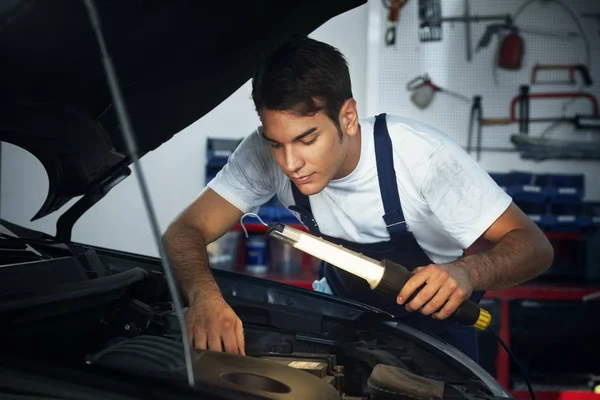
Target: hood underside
[(175, 60)]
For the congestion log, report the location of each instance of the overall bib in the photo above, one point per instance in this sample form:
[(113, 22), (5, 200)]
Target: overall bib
[(402, 248)]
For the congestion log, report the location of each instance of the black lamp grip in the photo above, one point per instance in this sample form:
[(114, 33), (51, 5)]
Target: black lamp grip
[(395, 277)]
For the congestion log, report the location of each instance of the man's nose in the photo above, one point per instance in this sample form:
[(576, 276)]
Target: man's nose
[(292, 162)]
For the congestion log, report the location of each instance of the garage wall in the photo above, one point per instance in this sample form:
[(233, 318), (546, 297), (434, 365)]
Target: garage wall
[(390, 68), (174, 171)]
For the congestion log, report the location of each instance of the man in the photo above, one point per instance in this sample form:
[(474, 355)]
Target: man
[(386, 186)]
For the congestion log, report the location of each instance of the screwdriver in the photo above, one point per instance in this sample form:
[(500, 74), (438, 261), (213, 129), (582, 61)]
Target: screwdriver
[(384, 277)]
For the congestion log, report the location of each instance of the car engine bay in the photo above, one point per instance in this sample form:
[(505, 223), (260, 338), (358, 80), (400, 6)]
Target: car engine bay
[(288, 364), (98, 311)]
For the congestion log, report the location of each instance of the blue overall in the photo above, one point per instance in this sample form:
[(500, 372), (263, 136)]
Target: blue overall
[(402, 248)]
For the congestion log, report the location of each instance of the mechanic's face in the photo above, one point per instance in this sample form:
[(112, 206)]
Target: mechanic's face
[(309, 149)]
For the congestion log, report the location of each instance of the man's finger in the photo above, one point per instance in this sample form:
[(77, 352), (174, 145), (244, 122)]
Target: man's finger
[(438, 301), (425, 294), (200, 339), (230, 342), (190, 329), (411, 285), (453, 303), (241, 342), (214, 342)]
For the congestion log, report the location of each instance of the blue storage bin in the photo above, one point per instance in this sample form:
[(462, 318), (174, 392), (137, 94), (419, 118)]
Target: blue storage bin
[(257, 254), (527, 178), (566, 188), (273, 202), (543, 221), (267, 213), (532, 207), (584, 221), (219, 150), (528, 193), (565, 195), (527, 186), (216, 162), (592, 211), (502, 179), (285, 216), (565, 208), (566, 180), (569, 223), (210, 177)]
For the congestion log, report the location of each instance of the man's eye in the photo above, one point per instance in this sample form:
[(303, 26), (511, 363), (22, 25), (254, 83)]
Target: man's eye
[(311, 141), (274, 145)]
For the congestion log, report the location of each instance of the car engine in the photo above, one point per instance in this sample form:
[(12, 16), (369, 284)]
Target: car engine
[(145, 339)]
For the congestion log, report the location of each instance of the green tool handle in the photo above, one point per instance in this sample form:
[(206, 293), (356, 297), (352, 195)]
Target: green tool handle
[(395, 277)]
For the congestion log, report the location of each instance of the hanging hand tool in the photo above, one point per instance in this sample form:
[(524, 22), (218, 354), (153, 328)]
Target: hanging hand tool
[(433, 20), (522, 101), (430, 24), (423, 91), (475, 118), (579, 121), (582, 69), (430, 29), (392, 19), (384, 277), (511, 47)]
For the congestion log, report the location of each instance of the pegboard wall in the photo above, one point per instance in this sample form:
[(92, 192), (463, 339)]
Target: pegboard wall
[(551, 33)]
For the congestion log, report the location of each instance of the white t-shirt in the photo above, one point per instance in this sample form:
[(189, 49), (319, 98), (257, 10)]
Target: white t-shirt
[(448, 200)]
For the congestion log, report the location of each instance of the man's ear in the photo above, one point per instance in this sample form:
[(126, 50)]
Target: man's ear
[(349, 117)]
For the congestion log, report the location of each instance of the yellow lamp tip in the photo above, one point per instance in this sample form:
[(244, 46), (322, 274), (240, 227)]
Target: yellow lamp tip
[(484, 320)]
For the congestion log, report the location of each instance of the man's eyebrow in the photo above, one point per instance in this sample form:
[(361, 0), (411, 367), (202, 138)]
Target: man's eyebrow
[(297, 138), (268, 138), (305, 134)]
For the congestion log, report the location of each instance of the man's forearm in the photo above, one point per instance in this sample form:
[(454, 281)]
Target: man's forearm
[(187, 253), (520, 256)]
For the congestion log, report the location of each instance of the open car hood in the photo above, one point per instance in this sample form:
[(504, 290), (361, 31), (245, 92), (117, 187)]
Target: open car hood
[(175, 60)]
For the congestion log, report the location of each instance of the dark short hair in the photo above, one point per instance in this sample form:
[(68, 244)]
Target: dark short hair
[(304, 76)]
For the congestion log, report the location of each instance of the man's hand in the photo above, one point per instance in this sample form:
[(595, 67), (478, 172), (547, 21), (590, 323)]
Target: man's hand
[(213, 325), (445, 288)]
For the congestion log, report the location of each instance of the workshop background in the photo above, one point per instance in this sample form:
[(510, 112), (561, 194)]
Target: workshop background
[(515, 60)]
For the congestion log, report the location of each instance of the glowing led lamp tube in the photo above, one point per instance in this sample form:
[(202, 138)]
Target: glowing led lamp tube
[(385, 278), (348, 260)]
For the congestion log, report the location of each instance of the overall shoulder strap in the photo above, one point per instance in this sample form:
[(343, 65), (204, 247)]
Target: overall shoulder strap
[(302, 207), (388, 186)]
